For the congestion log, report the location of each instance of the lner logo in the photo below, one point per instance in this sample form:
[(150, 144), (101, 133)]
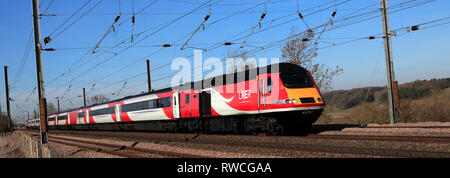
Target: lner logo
[(244, 94)]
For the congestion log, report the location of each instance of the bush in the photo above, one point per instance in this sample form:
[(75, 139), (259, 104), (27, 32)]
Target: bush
[(370, 113), (433, 109), (430, 109), (413, 93)]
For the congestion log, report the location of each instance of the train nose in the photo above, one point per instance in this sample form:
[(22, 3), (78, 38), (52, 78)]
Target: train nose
[(304, 96)]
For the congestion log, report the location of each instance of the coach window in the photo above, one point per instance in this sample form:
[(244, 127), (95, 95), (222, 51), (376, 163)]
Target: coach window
[(152, 104), (187, 99), (63, 117), (163, 102)]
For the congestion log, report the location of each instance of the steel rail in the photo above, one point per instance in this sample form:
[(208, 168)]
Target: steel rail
[(116, 148), (96, 148), (411, 127), (420, 139)]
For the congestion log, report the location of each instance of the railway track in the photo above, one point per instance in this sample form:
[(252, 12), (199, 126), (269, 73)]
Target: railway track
[(283, 143), (409, 127), (338, 127), (420, 139), (356, 150), (120, 150)]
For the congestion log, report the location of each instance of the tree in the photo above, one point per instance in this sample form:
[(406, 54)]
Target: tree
[(35, 114), (3, 122), (51, 109), (301, 50), (97, 99), (240, 62)]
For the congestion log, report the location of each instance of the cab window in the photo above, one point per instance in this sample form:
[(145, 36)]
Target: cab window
[(297, 81)]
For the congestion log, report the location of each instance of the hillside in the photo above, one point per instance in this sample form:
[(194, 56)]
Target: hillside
[(422, 100)]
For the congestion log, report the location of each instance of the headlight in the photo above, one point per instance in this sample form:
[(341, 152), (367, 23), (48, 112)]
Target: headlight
[(288, 101), (294, 100), (319, 99)]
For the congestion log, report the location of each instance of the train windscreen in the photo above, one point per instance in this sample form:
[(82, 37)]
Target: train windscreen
[(296, 81)]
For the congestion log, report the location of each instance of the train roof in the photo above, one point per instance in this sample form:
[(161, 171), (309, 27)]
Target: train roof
[(284, 68), (120, 99)]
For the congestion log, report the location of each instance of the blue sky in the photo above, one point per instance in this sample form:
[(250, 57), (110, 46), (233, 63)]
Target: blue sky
[(418, 55)]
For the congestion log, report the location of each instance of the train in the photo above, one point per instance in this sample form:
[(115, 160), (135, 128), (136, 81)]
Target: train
[(280, 99)]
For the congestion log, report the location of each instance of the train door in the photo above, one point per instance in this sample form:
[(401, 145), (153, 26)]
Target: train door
[(205, 103), (118, 112), (176, 104), (185, 104), (195, 104), (87, 116), (80, 118), (73, 116), (264, 89)]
